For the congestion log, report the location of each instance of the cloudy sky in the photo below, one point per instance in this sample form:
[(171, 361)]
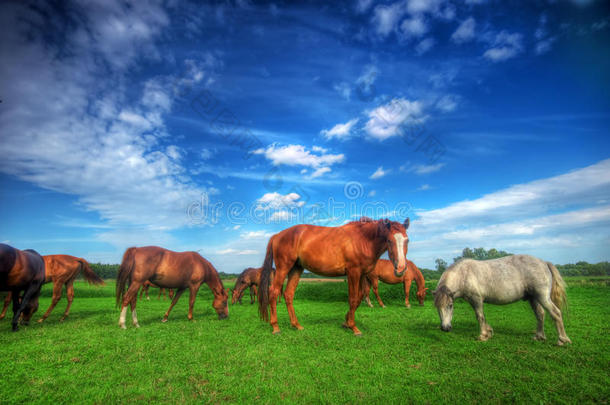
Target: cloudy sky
[(211, 127)]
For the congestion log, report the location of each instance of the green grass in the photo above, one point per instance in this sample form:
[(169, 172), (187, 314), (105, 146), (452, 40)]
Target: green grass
[(402, 357)]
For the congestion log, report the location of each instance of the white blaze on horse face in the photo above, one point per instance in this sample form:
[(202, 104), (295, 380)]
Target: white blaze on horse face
[(400, 244)]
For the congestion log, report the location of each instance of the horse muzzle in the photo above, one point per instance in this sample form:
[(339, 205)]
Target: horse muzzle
[(446, 328), (399, 273), (223, 316)]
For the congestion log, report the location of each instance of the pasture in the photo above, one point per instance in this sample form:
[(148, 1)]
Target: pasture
[(402, 357)]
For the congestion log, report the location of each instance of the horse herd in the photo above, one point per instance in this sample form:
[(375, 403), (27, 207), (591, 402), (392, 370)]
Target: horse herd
[(352, 250)]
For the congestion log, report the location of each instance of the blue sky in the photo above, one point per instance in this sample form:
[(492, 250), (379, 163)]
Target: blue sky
[(210, 127)]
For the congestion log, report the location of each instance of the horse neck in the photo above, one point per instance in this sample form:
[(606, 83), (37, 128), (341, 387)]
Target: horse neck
[(375, 239), (419, 277)]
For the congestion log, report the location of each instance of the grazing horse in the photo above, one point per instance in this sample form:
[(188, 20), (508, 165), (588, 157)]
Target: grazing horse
[(384, 271), (63, 270), (21, 270), (148, 284), (250, 277), (503, 281), (352, 249), (167, 269)]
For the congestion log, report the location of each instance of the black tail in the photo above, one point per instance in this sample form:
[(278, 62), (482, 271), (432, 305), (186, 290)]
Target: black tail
[(127, 266), (263, 287)]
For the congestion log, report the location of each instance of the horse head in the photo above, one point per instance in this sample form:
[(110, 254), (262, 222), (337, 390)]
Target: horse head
[(443, 301), (421, 295), (220, 303), (398, 243)]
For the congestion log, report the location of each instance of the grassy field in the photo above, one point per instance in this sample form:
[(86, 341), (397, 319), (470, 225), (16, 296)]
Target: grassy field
[(402, 356)]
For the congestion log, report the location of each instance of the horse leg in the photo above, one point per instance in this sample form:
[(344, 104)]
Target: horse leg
[(70, 297), (57, 286), (7, 301), (134, 316), (16, 314), (486, 330), (291, 285), (407, 282), (355, 296), (366, 292), (176, 297), (27, 296), (253, 293), (130, 295), (192, 295), (539, 312), (274, 291), (557, 318), (376, 292)]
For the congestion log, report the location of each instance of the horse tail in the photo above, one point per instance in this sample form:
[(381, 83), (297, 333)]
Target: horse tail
[(124, 275), (558, 288), (89, 274), (263, 287)]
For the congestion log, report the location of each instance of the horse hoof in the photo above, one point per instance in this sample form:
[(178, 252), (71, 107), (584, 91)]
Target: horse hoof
[(276, 332), (539, 338), (63, 318), (408, 306), (483, 338), (298, 327), (561, 341), (137, 325), (164, 320), (357, 333), (41, 320), (123, 326)]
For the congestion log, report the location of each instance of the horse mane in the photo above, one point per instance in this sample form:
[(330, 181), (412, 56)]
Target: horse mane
[(442, 296), (371, 230)]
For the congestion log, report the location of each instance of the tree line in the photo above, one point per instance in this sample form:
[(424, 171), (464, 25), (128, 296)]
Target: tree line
[(582, 268)]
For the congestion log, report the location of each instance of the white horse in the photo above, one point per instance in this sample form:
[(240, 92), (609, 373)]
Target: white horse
[(503, 281)]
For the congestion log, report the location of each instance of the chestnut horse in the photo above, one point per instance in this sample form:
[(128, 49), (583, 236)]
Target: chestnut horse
[(352, 249), (21, 270), (148, 284), (167, 269), (250, 277), (384, 272), (63, 270)]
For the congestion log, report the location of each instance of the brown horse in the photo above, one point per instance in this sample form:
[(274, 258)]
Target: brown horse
[(384, 272), (21, 270), (352, 249), (167, 269), (250, 277), (63, 270), (162, 291)]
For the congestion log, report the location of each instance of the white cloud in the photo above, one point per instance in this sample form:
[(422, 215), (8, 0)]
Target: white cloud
[(282, 216), (424, 187), (588, 184), (372, 193), (424, 45), (464, 32), (298, 155), (385, 18), (421, 169), (385, 121), (255, 235), (278, 201), (339, 131), (319, 172), (544, 46), (93, 139), (447, 103), (379, 173), (414, 27), (344, 89), (363, 5), (230, 251), (504, 46)]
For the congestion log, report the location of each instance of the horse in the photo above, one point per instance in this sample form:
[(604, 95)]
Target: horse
[(167, 269), (21, 270), (250, 277), (384, 271), (148, 284), (351, 249), (63, 270), (503, 281)]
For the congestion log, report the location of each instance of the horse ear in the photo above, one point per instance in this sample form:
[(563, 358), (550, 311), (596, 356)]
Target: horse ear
[(407, 223), (388, 223)]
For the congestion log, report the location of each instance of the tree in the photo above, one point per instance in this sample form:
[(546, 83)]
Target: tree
[(481, 254), (441, 265)]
